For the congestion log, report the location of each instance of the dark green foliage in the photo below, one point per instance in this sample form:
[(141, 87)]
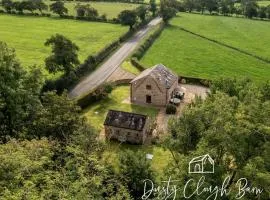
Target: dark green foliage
[(128, 17), (171, 109), (59, 8), (19, 92), (134, 169), (232, 125), (250, 9), (7, 5), (64, 54), (189, 5), (167, 10), (141, 12), (100, 93), (153, 7), (40, 5), (262, 12), (148, 43)]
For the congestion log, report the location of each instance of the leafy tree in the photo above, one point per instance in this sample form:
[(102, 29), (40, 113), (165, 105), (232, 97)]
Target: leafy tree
[(40, 5), (134, 168), (19, 95), (141, 12), (7, 5), (59, 118), (18, 6), (234, 116), (28, 5), (128, 17), (80, 9), (226, 7), (200, 5), (91, 12), (189, 5), (59, 8), (86, 10), (268, 11), (153, 7), (64, 54), (262, 12), (249, 8), (211, 5), (166, 11)]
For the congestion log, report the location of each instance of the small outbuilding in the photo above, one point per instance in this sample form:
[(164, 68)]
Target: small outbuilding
[(126, 127), (154, 86)]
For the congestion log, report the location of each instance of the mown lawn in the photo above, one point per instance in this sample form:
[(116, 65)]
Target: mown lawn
[(248, 35), (96, 115), (28, 34), (190, 55)]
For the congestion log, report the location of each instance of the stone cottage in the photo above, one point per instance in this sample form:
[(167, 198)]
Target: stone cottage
[(154, 86), (126, 127)]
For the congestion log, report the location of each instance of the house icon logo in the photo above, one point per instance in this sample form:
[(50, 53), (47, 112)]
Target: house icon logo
[(202, 165)]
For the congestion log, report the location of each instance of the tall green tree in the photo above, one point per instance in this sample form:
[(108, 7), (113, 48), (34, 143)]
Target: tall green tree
[(153, 7), (141, 12), (134, 169), (128, 17), (167, 11), (59, 8), (40, 5), (19, 95), (234, 116), (7, 5), (64, 54)]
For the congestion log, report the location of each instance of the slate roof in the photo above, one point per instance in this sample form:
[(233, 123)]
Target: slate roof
[(161, 74), (125, 120)]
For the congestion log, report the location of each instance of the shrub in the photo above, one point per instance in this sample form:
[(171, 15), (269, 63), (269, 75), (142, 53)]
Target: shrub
[(170, 109), (148, 43), (100, 93)]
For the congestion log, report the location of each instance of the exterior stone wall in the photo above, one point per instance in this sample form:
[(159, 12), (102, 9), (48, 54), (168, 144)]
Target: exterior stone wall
[(127, 135), (160, 96)]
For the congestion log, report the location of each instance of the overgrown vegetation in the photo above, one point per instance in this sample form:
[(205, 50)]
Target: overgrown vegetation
[(231, 125)]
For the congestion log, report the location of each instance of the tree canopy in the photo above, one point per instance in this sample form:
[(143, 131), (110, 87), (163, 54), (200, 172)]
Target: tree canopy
[(64, 54)]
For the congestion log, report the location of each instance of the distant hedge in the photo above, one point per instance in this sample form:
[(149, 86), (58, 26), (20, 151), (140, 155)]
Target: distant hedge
[(148, 43)]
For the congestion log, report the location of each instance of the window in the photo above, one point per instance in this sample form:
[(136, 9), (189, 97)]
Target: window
[(148, 87), (148, 99)]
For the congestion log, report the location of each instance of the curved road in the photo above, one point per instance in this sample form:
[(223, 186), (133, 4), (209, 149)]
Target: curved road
[(110, 65)]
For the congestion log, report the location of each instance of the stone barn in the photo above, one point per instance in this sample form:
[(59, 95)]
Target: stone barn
[(154, 86), (126, 127)]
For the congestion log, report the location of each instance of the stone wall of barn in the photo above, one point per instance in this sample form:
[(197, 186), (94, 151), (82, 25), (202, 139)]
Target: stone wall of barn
[(126, 135), (159, 95), (139, 92)]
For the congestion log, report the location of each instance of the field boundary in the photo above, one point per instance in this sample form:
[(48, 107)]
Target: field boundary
[(226, 45)]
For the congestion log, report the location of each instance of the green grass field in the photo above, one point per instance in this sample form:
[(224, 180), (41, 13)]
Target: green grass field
[(194, 56), (28, 34), (110, 9)]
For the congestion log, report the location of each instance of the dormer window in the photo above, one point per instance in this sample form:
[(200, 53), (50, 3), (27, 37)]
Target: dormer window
[(148, 87)]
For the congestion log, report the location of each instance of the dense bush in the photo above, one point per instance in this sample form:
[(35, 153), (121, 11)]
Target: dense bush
[(170, 109), (148, 43), (99, 93)]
